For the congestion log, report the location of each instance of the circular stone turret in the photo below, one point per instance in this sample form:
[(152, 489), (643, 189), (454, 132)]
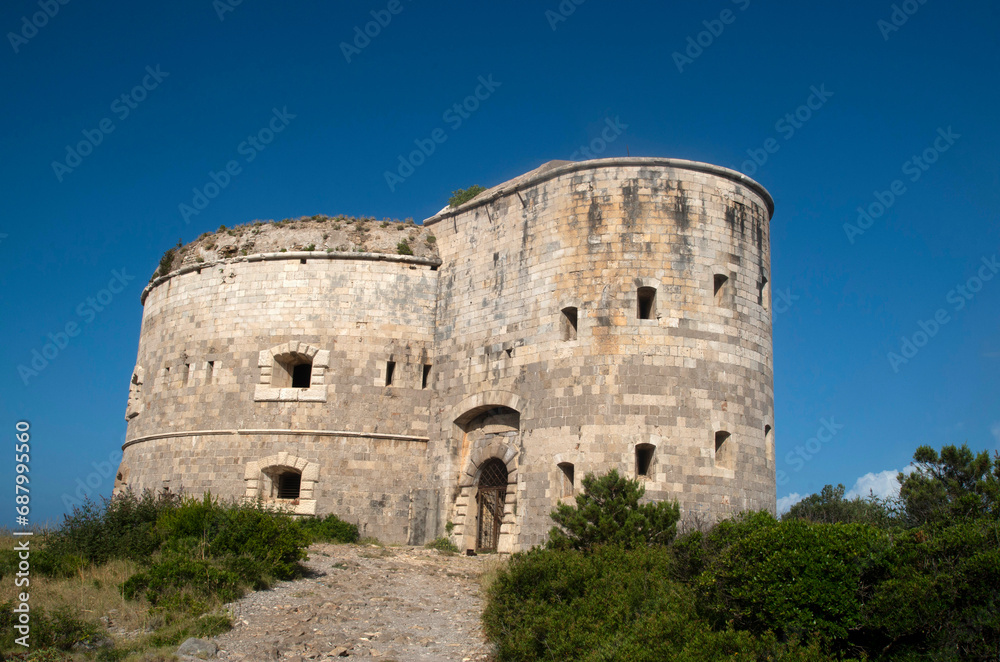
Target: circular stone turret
[(582, 317)]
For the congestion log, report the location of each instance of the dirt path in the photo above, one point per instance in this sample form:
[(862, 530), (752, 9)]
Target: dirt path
[(396, 603)]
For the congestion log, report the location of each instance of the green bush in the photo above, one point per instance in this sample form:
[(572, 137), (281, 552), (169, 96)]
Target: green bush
[(608, 511), (403, 248), (611, 604), (120, 528), (442, 544), (329, 529), (795, 578), (58, 629), (461, 196), (830, 507), (176, 575)]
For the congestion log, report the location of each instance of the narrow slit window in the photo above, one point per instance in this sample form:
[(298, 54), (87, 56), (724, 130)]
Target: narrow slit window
[(769, 444), (390, 368), (643, 459), (566, 479), (569, 318), (723, 450), (210, 372), (647, 303), (764, 294), (427, 376), (720, 288), (188, 374), (301, 375)]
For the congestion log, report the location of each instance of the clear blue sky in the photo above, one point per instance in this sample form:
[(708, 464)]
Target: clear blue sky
[(886, 94)]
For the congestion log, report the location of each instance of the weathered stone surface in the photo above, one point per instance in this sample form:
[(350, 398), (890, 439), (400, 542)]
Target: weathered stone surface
[(198, 648), (510, 378)]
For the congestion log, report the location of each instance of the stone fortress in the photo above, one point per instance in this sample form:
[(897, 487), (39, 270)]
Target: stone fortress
[(461, 377)]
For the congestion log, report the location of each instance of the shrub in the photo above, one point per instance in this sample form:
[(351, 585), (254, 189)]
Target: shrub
[(403, 248), (57, 628), (795, 578), (166, 261), (311, 247), (608, 511), (830, 507), (121, 528), (442, 544), (329, 529), (462, 196)]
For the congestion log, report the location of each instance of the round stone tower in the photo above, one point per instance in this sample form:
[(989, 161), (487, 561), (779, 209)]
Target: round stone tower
[(581, 317)]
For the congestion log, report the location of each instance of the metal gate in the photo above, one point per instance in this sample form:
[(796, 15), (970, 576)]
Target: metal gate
[(490, 498)]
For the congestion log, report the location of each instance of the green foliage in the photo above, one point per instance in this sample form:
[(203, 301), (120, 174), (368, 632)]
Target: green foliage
[(442, 544), (122, 528), (462, 196), (311, 247), (166, 261), (936, 594), (795, 578), (956, 484), (329, 529), (610, 604), (57, 629), (403, 248), (608, 511), (830, 507)]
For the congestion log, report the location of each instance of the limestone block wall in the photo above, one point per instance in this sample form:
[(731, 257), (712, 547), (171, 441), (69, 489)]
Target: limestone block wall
[(582, 317), (588, 236), (206, 407)]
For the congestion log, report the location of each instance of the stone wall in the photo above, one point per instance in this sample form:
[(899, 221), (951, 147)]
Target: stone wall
[(585, 316)]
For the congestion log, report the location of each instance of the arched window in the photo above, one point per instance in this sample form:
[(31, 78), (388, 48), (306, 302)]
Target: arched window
[(566, 472), (723, 450), (719, 288), (569, 317), (286, 485), (764, 294), (644, 459), (291, 370), (646, 297)]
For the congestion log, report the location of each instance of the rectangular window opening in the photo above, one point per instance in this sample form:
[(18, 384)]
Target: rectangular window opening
[(719, 288), (390, 368), (566, 479), (302, 260), (764, 294), (647, 303), (643, 459), (569, 320), (427, 376), (302, 375), (723, 450), (210, 372)]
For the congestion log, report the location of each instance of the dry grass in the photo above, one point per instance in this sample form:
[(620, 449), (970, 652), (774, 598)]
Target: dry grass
[(488, 571)]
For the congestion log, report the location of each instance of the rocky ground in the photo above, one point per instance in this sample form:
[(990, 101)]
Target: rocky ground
[(393, 603)]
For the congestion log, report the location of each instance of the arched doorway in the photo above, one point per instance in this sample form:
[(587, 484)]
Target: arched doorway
[(490, 498)]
